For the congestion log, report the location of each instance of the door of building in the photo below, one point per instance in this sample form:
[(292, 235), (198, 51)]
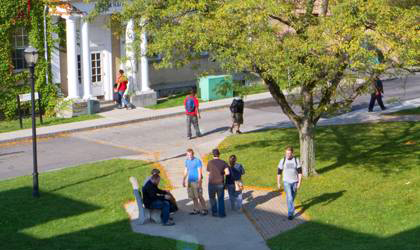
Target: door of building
[(97, 73)]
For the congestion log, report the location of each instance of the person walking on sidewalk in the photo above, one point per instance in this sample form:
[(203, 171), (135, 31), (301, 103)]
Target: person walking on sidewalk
[(237, 111), (234, 183), (217, 169), (193, 113), (122, 83), (377, 95), (291, 170), (155, 198), (193, 180)]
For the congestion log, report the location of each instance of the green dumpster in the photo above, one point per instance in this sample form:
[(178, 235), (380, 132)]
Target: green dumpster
[(209, 86), (93, 107)]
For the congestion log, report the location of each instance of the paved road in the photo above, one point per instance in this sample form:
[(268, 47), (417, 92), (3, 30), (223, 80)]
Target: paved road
[(158, 139)]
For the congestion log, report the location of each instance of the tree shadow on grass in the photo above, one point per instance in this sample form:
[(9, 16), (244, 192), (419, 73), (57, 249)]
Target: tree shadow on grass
[(324, 199), (319, 236), (21, 213), (368, 146)]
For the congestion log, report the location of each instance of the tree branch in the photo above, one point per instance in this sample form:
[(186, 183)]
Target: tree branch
[(279, 97), (326, 97), (285, 22)]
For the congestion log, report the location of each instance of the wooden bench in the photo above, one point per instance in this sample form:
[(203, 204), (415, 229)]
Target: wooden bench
[(145, 215)]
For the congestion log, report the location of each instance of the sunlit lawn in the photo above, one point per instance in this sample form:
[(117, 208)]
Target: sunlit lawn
[(7, 126), (367, 194)]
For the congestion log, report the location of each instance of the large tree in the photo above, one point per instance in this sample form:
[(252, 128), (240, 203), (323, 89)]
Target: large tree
[(329, 51)]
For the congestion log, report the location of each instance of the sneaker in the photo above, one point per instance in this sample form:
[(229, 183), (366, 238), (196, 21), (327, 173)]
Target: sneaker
[(169, 223), (231, 130), (194, 212), (204, 212), (238, 132), (189, 137)]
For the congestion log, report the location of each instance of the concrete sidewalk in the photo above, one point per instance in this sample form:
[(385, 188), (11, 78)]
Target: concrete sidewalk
[(118, 117)]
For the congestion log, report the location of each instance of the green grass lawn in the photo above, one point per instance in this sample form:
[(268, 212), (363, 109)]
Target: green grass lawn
[(413, 111), (178, 99), (79, 208), (169, 102), (367, 194), (7, 126)]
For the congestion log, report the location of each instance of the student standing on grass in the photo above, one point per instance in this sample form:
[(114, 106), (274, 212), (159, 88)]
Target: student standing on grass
[(234, 183), (237, 110), (193, 180), (291, 170), (217, 169), (193, 113)]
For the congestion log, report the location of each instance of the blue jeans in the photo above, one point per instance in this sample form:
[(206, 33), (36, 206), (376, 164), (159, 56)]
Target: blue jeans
[(290, 189), (124, 101), (165, 206), (219, 206), (235, 197)]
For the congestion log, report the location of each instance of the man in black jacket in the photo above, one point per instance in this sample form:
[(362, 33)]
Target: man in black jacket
[(155, 198), (237, 110), (377, 95)]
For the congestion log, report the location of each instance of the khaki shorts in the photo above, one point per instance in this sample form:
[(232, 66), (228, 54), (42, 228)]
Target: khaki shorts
[(238, 118), (194, 192)]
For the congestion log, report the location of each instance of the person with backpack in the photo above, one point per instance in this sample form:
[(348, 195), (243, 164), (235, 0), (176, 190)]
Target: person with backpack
[(237, 110), (234, 183), (291, 170), (377, 95), (193, 113)]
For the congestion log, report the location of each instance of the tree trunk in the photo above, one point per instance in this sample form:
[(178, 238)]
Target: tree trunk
[(307, 148)]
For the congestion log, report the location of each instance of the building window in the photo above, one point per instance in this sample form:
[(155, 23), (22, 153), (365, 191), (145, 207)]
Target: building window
[(20, 42), (96, 67), (79, 69)]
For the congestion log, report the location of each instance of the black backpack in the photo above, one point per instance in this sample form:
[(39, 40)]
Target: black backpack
[(237, 106)]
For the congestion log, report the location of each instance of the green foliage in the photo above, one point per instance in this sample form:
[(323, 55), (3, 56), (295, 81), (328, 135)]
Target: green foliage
[(15, 14), (280, 43)]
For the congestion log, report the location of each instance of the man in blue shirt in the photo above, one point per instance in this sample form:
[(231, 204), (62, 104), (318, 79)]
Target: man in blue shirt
[(194, 173)]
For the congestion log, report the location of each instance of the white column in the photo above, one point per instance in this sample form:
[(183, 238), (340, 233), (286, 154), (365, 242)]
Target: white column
[(131, 63), (72, 81), (144, 63), (86, 67)]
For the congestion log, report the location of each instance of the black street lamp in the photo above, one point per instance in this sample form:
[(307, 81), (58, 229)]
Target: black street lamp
[(31, 58)]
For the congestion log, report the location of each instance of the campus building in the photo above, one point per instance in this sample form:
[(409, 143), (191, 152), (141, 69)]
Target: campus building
[(87, 64)]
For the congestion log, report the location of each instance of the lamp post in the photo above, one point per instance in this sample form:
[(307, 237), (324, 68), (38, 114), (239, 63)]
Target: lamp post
[(31, 58)]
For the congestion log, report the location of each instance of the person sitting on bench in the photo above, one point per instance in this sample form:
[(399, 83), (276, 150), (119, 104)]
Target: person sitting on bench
[(155, 198)]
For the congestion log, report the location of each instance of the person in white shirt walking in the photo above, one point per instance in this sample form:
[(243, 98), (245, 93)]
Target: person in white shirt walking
[(291, 170)]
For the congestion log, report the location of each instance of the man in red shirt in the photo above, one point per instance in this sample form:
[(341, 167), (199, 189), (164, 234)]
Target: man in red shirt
[(193, 113)]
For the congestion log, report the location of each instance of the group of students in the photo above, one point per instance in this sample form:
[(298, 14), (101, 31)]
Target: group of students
[(220, 176)]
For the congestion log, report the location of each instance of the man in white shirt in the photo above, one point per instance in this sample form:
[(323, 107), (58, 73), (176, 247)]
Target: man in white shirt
[(291, 170)]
